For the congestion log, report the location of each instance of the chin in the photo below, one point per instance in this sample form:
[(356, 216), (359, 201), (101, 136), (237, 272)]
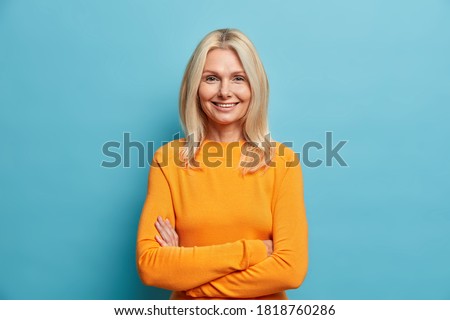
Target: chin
[(228, 121)]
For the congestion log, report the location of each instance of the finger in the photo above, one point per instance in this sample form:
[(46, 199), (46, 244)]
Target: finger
[(167, 222), (171, 240), (160, 241), (163, 232), (172, 232), (168, 234), (176, 238)]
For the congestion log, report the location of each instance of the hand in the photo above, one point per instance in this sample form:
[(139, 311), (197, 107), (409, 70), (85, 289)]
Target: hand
[(169, 237), (269, 247)]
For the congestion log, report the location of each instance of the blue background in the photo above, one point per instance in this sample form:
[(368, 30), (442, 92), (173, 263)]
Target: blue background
[(77, 74)]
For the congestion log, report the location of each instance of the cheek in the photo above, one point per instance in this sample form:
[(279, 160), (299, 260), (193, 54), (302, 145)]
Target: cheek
[(244, 93), (206, 92)]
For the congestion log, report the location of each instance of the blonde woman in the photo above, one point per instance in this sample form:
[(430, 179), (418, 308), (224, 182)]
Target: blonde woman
[(224, 216)]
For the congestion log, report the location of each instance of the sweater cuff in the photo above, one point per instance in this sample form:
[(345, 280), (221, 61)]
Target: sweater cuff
[(255, 251)]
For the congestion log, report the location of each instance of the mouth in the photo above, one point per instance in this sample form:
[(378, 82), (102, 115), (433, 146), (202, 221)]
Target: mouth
[(225, 105)]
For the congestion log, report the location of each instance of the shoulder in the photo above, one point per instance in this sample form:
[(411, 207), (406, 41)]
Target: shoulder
[(284, 155), (168, 151)]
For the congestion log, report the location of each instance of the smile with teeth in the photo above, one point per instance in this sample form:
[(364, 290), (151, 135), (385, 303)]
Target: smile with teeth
[(225, 105)]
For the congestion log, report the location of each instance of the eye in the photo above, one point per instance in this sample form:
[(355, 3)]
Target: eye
[(239, 78), (211, 78)]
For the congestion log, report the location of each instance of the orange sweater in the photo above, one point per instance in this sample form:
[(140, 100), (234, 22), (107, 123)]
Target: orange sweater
[(221, 218)]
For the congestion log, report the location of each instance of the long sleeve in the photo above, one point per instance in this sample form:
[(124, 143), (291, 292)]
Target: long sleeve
[(286, 268), (183, 268)]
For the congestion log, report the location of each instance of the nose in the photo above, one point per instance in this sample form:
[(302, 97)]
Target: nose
[(224, 90)]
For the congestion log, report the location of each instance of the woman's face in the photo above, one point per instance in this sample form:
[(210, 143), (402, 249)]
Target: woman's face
[(224, 90)]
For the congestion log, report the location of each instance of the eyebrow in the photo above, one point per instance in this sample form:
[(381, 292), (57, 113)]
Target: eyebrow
[(234, 72)]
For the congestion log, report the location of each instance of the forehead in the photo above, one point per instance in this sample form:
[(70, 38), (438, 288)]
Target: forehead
[(223, 60)]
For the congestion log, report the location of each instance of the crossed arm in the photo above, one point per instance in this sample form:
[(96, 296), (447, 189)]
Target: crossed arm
[(184, 268), (242, 269), (169, 237)]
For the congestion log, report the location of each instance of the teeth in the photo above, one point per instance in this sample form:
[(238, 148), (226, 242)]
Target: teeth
[(226, 105)]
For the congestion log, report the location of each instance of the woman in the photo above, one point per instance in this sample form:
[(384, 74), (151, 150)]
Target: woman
[(224, 215)]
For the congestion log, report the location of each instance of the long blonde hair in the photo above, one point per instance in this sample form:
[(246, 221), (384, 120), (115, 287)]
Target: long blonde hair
[(255, 122)]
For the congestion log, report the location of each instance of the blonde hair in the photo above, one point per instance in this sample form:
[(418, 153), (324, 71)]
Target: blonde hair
[(194, 120)]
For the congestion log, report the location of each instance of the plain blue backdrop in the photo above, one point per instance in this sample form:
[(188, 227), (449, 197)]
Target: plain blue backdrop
[(77, 74)]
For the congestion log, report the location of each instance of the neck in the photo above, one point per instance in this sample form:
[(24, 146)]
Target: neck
[(224, 134)]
